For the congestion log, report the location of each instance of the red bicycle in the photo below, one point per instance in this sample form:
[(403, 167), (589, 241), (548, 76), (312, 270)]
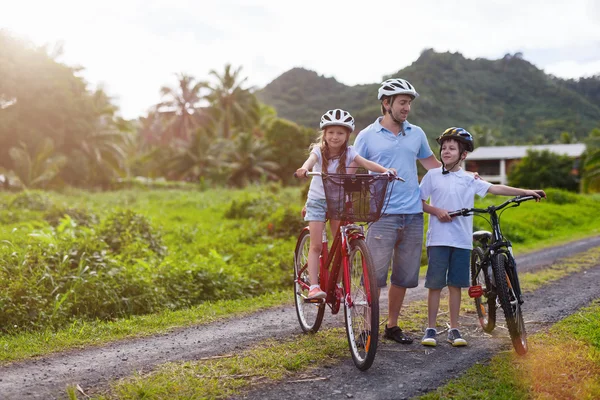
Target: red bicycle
[(351, 199)]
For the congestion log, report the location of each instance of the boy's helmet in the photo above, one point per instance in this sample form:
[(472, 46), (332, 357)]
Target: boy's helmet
[(337, 117), (459, 134), (395, 86)]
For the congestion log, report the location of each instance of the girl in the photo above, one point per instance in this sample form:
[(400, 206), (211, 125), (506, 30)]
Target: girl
[(330, 153)]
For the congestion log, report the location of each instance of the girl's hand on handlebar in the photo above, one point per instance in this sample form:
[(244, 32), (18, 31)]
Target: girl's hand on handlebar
[(392, 171), (300, 173)]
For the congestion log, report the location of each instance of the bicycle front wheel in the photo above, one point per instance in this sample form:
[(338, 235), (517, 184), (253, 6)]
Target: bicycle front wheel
[(510, 303), (361, 306), (486, 303), (310, 315)]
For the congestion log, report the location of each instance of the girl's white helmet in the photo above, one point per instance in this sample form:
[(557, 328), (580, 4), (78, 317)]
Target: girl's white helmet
[(337, 117), (395, 86)]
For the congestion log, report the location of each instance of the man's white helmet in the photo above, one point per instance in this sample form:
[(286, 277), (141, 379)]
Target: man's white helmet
[(395, 86), (337, 117)]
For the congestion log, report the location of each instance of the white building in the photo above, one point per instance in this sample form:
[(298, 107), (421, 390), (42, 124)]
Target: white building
[(493, 163)]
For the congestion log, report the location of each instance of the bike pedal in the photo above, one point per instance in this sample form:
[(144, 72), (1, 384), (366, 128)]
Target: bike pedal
[(314, 301), (475, 291)]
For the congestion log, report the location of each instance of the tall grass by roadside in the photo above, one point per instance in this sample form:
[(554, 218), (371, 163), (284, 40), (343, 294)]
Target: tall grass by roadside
[(80, 256), (563, 363)]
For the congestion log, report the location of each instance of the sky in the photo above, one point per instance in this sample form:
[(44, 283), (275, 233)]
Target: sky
[(132, 48)]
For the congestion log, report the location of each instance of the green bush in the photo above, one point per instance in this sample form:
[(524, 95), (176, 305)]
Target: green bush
[(126, 230), (558, 196), (251, 206), (31, 200), (80, 216)]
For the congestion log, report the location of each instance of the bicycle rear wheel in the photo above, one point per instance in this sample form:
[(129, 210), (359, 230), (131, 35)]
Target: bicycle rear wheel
[(486, 304), (361, 306), (510, 304), (310, 315)]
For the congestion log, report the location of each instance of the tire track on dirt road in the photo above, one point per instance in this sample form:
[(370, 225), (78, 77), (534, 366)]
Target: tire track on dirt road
[(47, 377)]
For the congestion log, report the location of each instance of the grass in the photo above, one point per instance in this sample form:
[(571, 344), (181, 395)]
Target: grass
[(563, 363), (246, 370), (224, 376)]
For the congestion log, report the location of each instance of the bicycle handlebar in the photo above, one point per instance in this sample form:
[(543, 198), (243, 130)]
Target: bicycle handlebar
[(389, 174), (515, 200)]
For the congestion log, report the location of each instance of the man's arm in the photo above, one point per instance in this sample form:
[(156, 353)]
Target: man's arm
[(430, 162)]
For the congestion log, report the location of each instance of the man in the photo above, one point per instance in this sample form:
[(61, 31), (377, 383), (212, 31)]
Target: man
[(398, 235)]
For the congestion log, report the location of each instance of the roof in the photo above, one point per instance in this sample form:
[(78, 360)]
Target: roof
[(518, 152)]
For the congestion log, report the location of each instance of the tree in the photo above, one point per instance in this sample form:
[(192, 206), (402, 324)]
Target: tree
[(232, 104), (567, 138), (591, 163), (248, 160), (543, 169), (180, 109), (289, 145), (199, 159), (41, 99), (35, 168)]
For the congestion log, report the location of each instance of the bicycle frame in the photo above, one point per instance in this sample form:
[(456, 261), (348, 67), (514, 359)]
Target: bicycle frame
[(498, 243), (332, 261)]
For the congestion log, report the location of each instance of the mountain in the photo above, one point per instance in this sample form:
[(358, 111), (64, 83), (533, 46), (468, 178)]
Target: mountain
[(509, 95)]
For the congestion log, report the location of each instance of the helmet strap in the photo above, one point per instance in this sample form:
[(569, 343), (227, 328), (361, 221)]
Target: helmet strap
[(446, 171)]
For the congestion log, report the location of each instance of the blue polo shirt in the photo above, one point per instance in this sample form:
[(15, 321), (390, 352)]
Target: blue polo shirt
[(378, 144)]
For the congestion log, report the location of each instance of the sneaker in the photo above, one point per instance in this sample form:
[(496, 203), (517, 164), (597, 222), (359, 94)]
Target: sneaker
[(316, 293), (455, 339), (395, 333), (429, 338)]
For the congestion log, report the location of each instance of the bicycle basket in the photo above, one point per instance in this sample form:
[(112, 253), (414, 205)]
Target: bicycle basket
[(355, 198)]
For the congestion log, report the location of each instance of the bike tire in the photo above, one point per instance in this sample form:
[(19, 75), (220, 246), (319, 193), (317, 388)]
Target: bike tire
[(362, 315), (310, 315), (510, 304), (486, 304)]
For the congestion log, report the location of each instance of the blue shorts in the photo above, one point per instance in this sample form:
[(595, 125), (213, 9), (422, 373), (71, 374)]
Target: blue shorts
[(448, 266), (397, 239), (316, 210)]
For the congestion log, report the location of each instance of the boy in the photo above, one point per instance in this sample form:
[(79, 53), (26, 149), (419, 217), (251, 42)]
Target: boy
[(449, 242)]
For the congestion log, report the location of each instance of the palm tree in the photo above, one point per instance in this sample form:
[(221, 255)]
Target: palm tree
[(591, 171), (198, 160), (248, 160), (180, 109), (233, 105), (36, 168)]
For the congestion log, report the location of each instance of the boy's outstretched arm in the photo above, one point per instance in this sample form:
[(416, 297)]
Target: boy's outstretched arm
[(504, 190), (440, 213)]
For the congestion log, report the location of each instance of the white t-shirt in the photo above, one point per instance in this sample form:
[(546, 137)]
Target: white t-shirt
[(316, 191), (451, 192)]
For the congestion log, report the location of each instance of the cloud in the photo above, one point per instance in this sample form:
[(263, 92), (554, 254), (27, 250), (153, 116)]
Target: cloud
[(134, 47)]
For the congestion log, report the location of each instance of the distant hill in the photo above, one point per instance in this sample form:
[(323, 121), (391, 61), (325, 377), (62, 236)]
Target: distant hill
[(509, 94)]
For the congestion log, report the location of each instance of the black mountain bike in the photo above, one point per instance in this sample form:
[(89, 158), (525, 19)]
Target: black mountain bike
[(494, 278)]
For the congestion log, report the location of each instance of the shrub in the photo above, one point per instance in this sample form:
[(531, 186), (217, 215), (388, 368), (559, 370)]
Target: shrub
[(31, 200), (125, 230), (558, 196), (80, 216), (251, 206)]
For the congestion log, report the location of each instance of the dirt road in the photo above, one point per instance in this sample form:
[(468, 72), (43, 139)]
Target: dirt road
[(398, 371)]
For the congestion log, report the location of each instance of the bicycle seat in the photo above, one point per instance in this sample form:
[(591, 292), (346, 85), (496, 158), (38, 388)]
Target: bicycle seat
[(482, 236)]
